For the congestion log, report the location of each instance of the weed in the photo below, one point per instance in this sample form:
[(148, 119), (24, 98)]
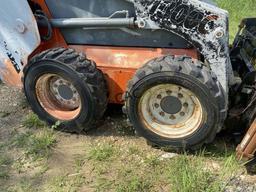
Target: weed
[(101, 152), (65, 183), (23, 185), (103, 184), (134, 184), (56, 125), (133, 150), (41, 144), (38, 146), (188, 174), (5, 163), (32, 121), (79, 162), (153, 161)]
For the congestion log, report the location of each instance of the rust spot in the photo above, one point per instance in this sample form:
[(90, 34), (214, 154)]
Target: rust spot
[(128, 57), (10, 75)]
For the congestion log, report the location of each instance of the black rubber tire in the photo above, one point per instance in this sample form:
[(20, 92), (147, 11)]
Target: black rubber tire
[(84, 75), (190, 74)]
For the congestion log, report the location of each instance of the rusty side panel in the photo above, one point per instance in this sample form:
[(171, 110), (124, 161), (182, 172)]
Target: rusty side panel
[(19, 37), (120, 63), (247, 148)]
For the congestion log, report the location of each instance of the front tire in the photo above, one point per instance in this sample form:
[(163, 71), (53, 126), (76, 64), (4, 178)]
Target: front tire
[(175, 102), (63, 85)]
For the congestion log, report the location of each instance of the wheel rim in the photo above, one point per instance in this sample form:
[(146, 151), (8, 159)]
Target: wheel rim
[(58, 97), (170, 111)]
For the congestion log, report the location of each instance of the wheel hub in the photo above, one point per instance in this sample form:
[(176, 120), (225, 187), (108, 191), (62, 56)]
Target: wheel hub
[(58, 97), (65, 93), (171, 105), (170, 110)]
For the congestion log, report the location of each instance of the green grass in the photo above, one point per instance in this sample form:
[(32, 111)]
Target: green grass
[(5, 163), (102, 152), (193, 174), (36, 145), (32, 121), (238, 9), (65, 183), (134, 184)]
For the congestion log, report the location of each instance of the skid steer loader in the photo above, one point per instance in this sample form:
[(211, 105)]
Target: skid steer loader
[(167, 61)]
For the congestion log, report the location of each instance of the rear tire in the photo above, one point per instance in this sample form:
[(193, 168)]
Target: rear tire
[(63, 85), (175, 102)]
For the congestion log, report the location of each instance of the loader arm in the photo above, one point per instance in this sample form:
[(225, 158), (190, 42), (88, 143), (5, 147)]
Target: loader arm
[(19, 37)]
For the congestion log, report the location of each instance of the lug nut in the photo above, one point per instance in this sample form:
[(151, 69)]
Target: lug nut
[(162, 114), (185, 105), (180, 95), (159, 96), (156, 105), (169, 92), (172, 117), (182, 114)]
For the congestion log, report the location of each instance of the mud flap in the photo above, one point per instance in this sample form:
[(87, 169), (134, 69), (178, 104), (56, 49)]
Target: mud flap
[(19, 37)]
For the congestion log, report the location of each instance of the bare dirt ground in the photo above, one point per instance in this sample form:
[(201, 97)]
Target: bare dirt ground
[(110, 158)]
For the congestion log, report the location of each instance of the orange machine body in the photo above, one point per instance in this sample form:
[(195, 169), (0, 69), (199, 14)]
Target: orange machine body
[(119, 64)]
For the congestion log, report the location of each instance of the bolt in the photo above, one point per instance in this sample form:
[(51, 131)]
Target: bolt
[(159, 96), (172, 117), (185, 105), (156, 105), (169, 92), (162, 113), (182, 113), (180, 95)]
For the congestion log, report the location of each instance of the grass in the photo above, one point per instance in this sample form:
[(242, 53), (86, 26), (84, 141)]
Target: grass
[(134, 184), (36, 145), (102, 152), (238, 10), (5, 163), (32, 121), (192, 174), (65, 183)]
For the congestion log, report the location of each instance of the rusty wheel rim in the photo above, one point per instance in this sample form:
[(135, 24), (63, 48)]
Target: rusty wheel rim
[(170, 111), (58, 97)]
